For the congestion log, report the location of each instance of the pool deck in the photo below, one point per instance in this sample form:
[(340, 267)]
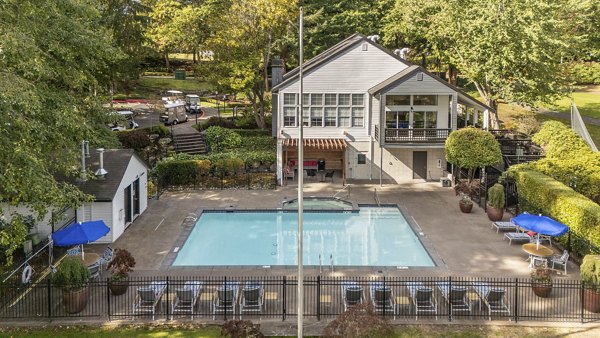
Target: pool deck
[(462, 244)]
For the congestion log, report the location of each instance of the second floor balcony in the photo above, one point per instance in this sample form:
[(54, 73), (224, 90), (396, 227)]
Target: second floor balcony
[(413, 135)]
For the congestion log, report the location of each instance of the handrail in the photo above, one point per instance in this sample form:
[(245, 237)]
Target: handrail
[(376, 196), (348, 186)]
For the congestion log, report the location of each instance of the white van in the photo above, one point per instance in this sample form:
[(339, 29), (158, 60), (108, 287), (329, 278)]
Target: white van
[(123, 121), (174, 113)]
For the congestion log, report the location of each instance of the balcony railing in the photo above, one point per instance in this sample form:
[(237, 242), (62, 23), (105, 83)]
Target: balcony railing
[(417, 135)]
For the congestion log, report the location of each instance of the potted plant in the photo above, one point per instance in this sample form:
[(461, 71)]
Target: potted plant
[(120, 267), (495, 204), (590, 277), (541, 282), (466, 192), (73, 277)]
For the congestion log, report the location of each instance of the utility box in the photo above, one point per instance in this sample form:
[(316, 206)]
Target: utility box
[(445, 182), (180, 74), (321, 164)]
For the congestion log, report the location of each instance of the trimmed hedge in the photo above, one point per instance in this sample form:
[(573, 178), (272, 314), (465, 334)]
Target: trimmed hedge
[(538, 192), (560, 141)]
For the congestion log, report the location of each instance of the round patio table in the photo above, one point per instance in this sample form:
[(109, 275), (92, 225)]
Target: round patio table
[(537, 250), (90, 258)]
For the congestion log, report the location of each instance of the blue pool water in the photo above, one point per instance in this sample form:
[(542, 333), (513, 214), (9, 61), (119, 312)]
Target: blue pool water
[(371, 237)]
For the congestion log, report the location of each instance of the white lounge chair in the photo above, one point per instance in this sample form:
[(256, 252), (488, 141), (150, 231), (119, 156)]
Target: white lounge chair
[(252, 298), (422, 298), (94, 270), (561, 260), (382, 297), (107, 257), (186, 298), (149, 297), (455, 296), (352, 294), (74, 251), (226, 298), (504, 226), (493, 298), (517, 236)]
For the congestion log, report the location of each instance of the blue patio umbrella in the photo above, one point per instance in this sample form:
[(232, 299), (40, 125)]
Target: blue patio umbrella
[(80, 233), (543, 225)]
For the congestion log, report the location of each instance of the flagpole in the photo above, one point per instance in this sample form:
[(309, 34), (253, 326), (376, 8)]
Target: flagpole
[(300, 185)]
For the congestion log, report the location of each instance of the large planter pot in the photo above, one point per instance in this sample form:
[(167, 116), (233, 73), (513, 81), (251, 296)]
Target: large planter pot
[(541, 289), (591, 301), (494, 214), (75, 301), (118, 288), (465, 206)]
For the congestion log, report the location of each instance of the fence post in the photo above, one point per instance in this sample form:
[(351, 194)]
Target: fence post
[(108, 295), (226, 293), (167, 305), (283, 298), (582, 294), (449, 297), (516, 310), (49, 285), (384, 292), (318, 297)]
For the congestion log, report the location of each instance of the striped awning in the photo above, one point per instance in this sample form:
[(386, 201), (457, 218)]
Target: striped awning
[(317, 143)]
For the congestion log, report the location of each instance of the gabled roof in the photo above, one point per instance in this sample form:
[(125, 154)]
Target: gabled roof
[(115, 163), (410, 71), (331, 53)]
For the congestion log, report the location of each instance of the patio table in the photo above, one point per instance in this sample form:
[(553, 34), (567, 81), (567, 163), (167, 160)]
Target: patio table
[(537, 250)]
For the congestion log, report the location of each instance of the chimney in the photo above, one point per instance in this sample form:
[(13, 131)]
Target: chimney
[(101, 172), (85, 152), (276, 71)]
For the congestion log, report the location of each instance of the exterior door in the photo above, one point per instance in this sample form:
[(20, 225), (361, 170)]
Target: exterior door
[(136, 197), (127, 206), (360, 168), (420, 165)]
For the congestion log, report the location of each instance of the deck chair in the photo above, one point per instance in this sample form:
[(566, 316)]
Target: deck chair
[(74, 251), (422, 298), (186, 298), (252, 298), (94, 270), (504, 226), (149, 297), (493, 298), (517, 236), (226, 298), (561, 260), (352, 294), (311, 173), (107, 257), (382, 297), (455, 296), (329, 175)]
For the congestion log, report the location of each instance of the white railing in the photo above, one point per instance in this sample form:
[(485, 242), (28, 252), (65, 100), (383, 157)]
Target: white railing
[(346, 189)]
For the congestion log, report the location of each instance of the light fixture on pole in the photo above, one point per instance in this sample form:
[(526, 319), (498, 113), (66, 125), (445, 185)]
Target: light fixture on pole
[(300, 185)]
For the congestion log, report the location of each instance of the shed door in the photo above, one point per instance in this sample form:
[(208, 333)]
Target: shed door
[(420, 165), (127, 206), (136, 197)]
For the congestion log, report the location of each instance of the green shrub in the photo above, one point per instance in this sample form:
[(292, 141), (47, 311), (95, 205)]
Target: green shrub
[(472, 148), (496, 196), (253, 132), (259, 143), (161, 130), (539, 192), (221, 139), (586, 72), (176, 172), (134, 139), (202, 167), (120, 97), (71, 274), (229, 166), (215, 121), (590, 272), (560, 141)]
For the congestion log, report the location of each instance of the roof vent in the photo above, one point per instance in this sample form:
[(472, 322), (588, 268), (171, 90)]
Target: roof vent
[(420, 76), (101, 172), (85, 152)]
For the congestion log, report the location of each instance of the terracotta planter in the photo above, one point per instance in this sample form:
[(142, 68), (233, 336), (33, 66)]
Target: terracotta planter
[(118, 288), (465, 207), (494, 214), (75, 301), (541, 289), (591, 301)]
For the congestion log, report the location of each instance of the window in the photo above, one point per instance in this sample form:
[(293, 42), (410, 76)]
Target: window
[(305, 99), (330, 117), (316, 117), (361, 159), (289, 99), (397, 119), (289, 116), (431, 119), (330, 99), (344, 100), (357, 117), (344, 117), (306, 117), (397, 100), (316, 99), (425, 100), (357, 99)]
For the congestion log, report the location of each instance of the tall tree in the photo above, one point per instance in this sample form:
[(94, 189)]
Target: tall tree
[(162, 32), (55, 60), (243, 45)]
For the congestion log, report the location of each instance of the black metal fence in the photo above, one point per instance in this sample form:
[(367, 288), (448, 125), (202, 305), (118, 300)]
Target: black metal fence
[(224, 298)]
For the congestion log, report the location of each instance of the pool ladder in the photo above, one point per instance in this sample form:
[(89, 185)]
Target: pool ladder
[(321, 263)]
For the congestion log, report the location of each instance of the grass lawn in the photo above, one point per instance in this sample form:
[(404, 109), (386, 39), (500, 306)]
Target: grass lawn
[(587, 100), (166, 83)]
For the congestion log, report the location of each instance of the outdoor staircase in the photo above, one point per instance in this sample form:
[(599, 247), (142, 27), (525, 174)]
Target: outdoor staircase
[(190, 143)]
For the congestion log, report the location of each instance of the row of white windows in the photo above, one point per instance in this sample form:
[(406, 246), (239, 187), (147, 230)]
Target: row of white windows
[(324, 110)]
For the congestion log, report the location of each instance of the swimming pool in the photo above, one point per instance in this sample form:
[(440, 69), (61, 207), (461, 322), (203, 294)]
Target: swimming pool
[(371, 237)]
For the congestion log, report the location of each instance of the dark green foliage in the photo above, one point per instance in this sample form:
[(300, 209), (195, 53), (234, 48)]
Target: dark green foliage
[(160, 130), (496, 196), (541, 193), (360, 321), (222, 139), (134, 139), (472, 148), (586, 72), (590, 272), (241, 329), (122, 264), (176, 172), (218, 122), (560, 141), (71, 274), (253, 132)]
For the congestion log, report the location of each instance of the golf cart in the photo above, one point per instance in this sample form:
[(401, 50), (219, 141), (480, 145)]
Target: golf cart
[(123, 120), (192, 104), (174, 113), (173, 96)]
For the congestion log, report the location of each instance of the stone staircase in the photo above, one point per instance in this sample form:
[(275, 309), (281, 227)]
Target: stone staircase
[(190, 143)]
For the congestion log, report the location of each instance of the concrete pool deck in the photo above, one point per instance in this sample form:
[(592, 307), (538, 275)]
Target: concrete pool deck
[(463, 244)]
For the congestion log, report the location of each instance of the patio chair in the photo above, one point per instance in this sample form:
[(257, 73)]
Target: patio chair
[(186, 298), (352, 294), (329, 175), (94, 270), (517, 236), (422, 298), (456, 296), (149, 297), (74, 251), (493, 298), (107, 257), (311, 173), (382, 297), (561, 260), (226, 298), (252, 298), (504, 226)]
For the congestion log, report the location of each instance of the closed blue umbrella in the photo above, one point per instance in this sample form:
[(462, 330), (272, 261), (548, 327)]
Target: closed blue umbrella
[(80, 233)]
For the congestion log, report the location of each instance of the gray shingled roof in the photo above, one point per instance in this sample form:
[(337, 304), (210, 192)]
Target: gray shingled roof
[(115, 163)]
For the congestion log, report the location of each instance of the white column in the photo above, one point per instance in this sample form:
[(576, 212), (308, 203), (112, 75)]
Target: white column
[(486, 119), (454, 110), (280, 176), (475, 116)]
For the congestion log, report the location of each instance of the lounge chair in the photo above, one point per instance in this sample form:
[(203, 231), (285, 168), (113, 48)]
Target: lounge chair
[(149, 297), (226, 298), (504, 226), (74, 251), (422, 298), (352, 294), (493, 298), (517, 236), (561, 260), (329, 175), (186, 298), (94, 270), (382, 297), (455, 296), (107, 257), (252, 298)]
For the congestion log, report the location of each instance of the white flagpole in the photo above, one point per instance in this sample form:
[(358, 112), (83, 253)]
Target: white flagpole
[(300, 185)]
